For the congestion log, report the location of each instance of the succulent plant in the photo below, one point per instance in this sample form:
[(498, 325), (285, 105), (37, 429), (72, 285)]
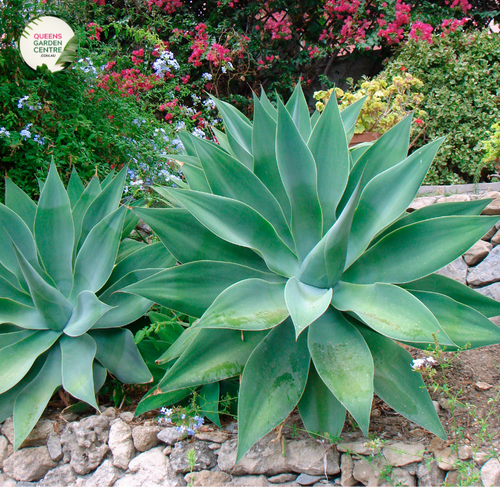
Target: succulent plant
[(306, 271), (61, 322)]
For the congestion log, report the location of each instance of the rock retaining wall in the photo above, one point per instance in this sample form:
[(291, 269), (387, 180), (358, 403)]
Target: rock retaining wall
[(116, 450)]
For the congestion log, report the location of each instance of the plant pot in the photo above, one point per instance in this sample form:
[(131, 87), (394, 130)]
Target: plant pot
[(364, 137)]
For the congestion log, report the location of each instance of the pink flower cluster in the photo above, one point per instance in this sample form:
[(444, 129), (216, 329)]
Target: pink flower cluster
[(169, 6), (199, 45), (463, 4), (421, 31), (278, 24), (451, 25), (394, 32), (138, 57), (94, 30), (218, 54), (127, 82)]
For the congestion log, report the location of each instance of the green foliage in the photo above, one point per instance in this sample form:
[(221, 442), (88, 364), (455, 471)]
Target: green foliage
[(297, 292), (460, 73), (386, 104), (62, 324)]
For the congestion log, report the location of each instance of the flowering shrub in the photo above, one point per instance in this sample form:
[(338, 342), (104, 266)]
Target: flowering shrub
[(460, 74), (386, 104)]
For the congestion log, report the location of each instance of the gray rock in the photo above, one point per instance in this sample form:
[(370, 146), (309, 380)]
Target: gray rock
[(104, 476), (430, 475), (37, 437), (214, 446), (451, 478), (487, 272), (456, 270), (64, 475), (213, 437), (347, 467), (477, 252), (368, 473), (493, 208), (205, 457), (171, 436), (54, 447), (495, 240), (490, 473), (127, 416), (481, 458), (465, 452), (454, 198), (109, 412), (446, 458), (422, 202), (151, 468), (29, 464), (490, 235), (282, 478), (265, 457), (144, 438), (121, 444), (307, 480), (6, 481), (4, 450), (245, 481), (402, 477), (207, 478), (492, 291), (84, 443), (356, 447), (400, 454)]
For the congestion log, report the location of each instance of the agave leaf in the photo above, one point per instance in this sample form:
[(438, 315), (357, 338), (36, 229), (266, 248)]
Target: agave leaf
[(127, 247), (18, 358), (117, 352), (299, 111), (209, 398), (10, 338), (350, 115), (146, 257), (238, 129), (229, 178), (305, 303), (409, 253), (265, 165), (357, 151), (8, 398), (387, 196), (328, 145), (179, 346), (452, 316), (196, 178), (324, 264), (314, 118), (96, 258), (267, 105), (187, 142), (182, 159), (99, 375), (77, 367), (33, 399), (131, 219), (386, 152), (75, 187), (87, 311), (153, 401), (397, 384), (431, 212), (298, 173), (272, 384), (104, 204), (20, 203), (21, 315), (191, 288), (109, 177), (216, 355), (251, 304), (54, 223), (344, 363), (321, 412), (126, 309), (13, 229), (188, 240), (391, 311), (49, 301), (239, 224), (222, 140), (82, 205), (11, 278), (456, 291), (9, 291)]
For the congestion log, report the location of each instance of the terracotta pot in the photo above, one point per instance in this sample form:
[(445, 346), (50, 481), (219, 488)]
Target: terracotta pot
[(364, 137)]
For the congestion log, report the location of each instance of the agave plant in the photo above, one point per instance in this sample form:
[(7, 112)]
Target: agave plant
[(61, 322), (306, 271)]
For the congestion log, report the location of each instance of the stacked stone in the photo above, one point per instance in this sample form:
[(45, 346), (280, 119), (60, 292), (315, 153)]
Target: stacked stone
[(108, 450)]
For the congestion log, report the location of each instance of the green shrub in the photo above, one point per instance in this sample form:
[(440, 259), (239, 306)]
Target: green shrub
[(61, 322), (460, 72), (305, 270)]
